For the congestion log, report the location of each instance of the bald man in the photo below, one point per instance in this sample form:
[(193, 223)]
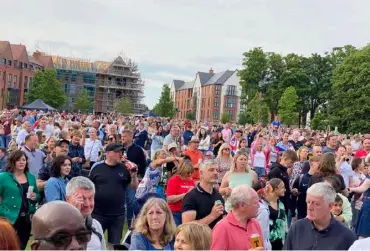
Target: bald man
[(58, 225)]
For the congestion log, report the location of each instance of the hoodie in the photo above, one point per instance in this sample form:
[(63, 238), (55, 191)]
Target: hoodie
[(263, 218), (279, 171)]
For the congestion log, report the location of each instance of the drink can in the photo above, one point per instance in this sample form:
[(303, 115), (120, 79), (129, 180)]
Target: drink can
[(30, 190), (217, 202), (256, 241)]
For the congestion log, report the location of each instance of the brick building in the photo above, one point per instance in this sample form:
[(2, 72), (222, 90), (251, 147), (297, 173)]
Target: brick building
[(208, 95), (16, 73)]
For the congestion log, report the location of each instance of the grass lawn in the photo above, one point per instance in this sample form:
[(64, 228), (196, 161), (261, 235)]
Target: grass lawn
[(105, 236)]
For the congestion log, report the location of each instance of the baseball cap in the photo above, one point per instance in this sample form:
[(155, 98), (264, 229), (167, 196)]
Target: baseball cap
[(114, 147), (61, 141), (194, 139), (172, 145)]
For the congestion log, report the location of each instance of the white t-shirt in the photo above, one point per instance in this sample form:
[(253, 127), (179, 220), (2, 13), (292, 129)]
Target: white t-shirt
[(346, 172), (49, 131), (92, 147), (95, 243), (363, 244), (259, 159)]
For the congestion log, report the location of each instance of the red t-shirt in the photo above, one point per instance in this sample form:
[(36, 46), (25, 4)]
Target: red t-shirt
[(195, 157), (177, 186)]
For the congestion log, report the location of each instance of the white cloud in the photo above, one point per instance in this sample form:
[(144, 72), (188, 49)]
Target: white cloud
[(190, 35)]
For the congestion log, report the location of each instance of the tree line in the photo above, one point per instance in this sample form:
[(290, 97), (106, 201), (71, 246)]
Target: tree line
[(334, 88)]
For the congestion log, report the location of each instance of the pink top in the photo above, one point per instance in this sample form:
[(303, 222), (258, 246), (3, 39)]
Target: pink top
[(228, 234)]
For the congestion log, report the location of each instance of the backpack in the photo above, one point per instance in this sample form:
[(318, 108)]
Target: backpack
[(88, 223)]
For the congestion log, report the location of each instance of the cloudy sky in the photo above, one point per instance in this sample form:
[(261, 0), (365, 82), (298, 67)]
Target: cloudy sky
[(172, 39)]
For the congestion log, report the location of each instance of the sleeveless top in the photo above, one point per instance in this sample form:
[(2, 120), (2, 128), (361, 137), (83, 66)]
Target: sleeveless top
[(236, 179)]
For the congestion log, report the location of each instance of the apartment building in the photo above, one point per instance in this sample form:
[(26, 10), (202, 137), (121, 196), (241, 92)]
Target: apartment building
[(208, 96), (17, 69), (104, 81)]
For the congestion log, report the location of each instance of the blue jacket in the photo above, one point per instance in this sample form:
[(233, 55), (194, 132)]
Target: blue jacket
[(55, 189), (77, 151), (141, 139), (187, 136), (141, 242), (4, 140), (2, 164)]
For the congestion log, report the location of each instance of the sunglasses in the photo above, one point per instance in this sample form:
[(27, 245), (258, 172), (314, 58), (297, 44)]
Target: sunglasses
[(111, 139), (62, 240), (227, 149)]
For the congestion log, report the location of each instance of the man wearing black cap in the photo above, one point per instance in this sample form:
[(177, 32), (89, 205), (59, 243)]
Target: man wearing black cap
[(111, 179)]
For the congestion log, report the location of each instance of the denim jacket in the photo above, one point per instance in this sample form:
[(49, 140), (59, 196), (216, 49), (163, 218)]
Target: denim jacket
[(55, 189)]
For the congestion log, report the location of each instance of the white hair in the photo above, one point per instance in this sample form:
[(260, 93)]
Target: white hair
[(240, 194), (207, 163), (323, 189), (79, 182)]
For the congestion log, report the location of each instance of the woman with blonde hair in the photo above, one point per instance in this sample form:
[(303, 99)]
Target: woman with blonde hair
[(239, 174), (193, 236), (178, 186), (154, 228), (224, 161)]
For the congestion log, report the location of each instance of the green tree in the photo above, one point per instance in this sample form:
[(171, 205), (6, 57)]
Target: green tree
[(123, 106), (190, 116), (165, 106), (287, 106), (349, 108), (46, 86), (258, 110), (255, 64), (244, 118), (83, 101), (225, 118)]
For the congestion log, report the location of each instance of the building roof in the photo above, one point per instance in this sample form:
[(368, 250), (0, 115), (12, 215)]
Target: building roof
[(219, 78), (204, 77), (187, 85), (17, 50), (33, 60), (178, 83), (3, 45)]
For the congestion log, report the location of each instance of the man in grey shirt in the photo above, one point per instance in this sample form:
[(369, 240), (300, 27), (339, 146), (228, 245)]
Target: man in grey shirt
[(320, 230), (35, 156)]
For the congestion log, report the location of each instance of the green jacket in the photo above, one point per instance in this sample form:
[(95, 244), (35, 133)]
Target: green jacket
[(11, 196)]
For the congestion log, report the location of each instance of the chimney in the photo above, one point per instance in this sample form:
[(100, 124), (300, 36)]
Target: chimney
[(210, 70), (36, 54)]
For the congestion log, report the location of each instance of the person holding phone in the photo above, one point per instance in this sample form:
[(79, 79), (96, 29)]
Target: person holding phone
[(19, 195)]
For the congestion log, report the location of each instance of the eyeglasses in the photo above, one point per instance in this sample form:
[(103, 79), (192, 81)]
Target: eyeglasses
[(62, 240)]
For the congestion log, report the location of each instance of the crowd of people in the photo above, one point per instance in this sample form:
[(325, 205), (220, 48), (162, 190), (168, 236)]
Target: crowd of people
[(67, 179)]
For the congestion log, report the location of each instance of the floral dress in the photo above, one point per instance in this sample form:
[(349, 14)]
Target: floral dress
[(223, 166)]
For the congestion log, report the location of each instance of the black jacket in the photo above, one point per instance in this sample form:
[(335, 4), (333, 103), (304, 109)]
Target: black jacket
[(279, 171)]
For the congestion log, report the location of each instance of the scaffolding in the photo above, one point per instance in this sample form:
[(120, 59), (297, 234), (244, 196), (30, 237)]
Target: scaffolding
[(106, 82)]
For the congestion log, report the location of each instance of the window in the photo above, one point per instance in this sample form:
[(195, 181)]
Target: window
[(25, 66), (15, 78), (230, 102), (3, 61), (10, 62), (217, 102), (25, 82), (218, 89), (216, 114), (231, 114), (4, 76), (231, 90), (20, 65)]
